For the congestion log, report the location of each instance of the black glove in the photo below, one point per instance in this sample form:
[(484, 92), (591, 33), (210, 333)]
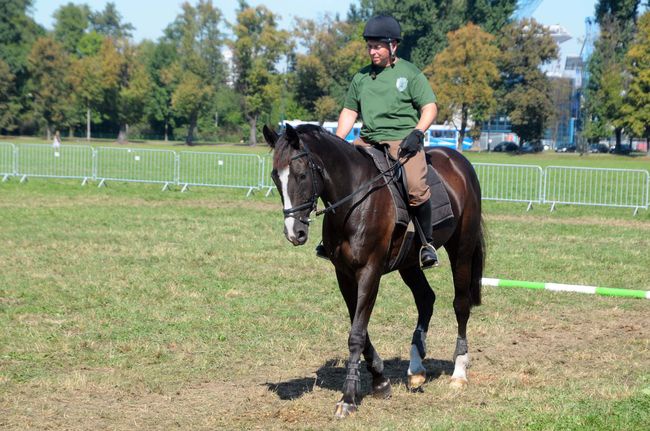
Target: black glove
[(412, 143)]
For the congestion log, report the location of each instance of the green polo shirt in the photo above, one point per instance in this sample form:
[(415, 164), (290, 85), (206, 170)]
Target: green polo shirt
[(390, 103)]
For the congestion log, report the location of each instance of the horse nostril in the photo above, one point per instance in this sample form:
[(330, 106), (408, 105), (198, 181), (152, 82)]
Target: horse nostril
[(302, 234)]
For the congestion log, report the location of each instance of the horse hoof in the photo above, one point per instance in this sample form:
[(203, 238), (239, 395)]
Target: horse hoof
[(415, 381), (383, 390), (344, 409), (458, 383)]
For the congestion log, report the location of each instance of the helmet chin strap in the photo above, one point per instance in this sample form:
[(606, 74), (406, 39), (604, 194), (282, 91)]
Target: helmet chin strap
[(392, 53)]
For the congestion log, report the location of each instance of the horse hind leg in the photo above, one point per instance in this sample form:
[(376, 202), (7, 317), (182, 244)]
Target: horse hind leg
[(424, 299)]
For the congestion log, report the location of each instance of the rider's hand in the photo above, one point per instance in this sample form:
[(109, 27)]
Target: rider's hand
[(412, 143)]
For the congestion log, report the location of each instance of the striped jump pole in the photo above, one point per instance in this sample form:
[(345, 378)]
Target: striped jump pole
[(594, 290)]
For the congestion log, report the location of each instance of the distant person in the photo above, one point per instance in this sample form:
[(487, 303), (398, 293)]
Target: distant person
[(56, 144)]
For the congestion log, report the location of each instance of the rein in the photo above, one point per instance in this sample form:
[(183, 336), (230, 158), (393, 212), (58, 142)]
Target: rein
[(340, 202), (311, 203)]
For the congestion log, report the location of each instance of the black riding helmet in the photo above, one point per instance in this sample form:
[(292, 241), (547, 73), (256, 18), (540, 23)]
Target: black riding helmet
[(383, 28)]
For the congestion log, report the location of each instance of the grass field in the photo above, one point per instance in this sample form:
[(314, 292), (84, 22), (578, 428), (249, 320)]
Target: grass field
[(128, 308)]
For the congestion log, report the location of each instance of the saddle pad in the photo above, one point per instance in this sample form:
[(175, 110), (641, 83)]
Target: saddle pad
[(439, 201), (394, 184)]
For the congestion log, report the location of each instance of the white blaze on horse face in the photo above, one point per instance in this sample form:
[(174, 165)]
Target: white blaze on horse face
[(283, 174)]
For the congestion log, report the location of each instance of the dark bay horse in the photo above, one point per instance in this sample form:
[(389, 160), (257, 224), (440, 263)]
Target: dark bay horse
[(361, 237)]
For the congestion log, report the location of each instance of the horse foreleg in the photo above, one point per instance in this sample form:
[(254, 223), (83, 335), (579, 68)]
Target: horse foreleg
[(462, 304), (359, 294), (424, 299)]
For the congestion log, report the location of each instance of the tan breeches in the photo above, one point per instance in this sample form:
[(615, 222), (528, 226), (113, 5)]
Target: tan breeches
[(415, 169)]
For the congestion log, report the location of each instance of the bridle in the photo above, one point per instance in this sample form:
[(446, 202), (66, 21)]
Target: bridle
[(313, 200)]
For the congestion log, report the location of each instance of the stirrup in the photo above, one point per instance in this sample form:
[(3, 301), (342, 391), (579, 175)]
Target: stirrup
[(432, 249)]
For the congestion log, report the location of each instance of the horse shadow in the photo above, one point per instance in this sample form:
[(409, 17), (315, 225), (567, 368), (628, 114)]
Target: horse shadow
[(332, 373)]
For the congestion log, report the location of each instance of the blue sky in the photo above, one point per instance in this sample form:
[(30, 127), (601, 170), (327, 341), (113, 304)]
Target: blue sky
[(150, 17)]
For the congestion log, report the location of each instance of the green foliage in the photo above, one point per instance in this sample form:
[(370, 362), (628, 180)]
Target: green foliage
[(109, 23), (197, 70), (48, 64), (70, 24), (636, 104), (256, 48), (491, 15), (426, 23), (463, 76), (525, 90)]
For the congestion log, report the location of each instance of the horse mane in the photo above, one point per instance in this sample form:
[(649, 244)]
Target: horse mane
[(316, 138)]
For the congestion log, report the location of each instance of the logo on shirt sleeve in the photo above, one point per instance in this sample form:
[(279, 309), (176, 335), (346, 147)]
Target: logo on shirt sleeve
[(401, 83)]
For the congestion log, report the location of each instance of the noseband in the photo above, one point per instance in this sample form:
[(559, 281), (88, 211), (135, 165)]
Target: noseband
[(312, 201)]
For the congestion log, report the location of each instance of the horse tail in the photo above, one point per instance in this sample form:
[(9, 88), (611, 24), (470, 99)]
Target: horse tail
[(478, 264)]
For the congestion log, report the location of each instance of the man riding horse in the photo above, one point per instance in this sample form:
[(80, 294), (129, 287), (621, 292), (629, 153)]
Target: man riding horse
[(397, 105)]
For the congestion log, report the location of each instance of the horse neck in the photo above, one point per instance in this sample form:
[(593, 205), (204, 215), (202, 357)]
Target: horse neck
[(344, 168)]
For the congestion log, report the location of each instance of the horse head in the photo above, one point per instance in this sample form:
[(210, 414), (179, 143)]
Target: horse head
[(298, 179)]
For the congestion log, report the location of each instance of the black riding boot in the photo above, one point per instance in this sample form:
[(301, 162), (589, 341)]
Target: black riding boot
[(428, 256), (321, 252)]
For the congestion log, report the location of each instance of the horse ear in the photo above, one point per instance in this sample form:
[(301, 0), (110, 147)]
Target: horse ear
[(270, 136), (292, 136)]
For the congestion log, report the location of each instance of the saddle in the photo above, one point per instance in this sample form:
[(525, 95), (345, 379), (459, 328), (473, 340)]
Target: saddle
[(439, 200)]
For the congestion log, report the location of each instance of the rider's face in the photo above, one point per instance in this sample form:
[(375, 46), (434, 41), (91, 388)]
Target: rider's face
[(379, 52)]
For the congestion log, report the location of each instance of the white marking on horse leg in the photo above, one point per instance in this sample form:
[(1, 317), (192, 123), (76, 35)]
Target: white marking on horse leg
[(459, 378), (288, 221), (415, 366), (416, 373)]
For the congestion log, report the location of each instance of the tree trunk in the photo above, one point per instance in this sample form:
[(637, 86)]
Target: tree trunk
[(618, 132), (166, 126), (189, 140), (71, 132), (463, 125), (123, 135), (48, 131), (252, 137), (87, 122)]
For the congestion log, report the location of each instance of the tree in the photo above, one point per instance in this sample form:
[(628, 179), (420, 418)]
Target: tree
[(525, 90), (198, 69), (636, 104), (335, 52), (70, 24), (18, 32), (256, 49), (157, 58), (47, 65), (6, 86), (491, 15), (109, 23), (93, 78), (425, 24), (617, 20), (463, 76), (135, 87)]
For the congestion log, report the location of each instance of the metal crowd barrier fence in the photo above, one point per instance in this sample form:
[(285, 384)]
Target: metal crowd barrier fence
[(265, 175), (7, 160), (70, 161), (136, 165), (219, 170), (514, 183), (626, 188)]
